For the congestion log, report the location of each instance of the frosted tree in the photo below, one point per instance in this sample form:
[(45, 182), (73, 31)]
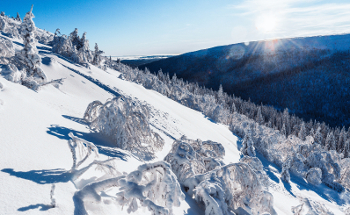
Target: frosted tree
[(330, 141), (346, 151), (286, 120), (248, 145), (29, 56), (341, 140), (283, 130), (318, 136), (74, 37), (18, 18), (221, 99), (259, 117), (302, 131), (233, 108), (97, 56), (285, 176)]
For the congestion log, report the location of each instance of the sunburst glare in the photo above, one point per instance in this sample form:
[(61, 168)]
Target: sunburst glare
[(266, 23)]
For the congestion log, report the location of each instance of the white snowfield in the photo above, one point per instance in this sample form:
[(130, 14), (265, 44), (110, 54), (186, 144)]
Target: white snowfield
[(34, 128)]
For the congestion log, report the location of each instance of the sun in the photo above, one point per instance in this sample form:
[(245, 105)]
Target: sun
[(266, 23)]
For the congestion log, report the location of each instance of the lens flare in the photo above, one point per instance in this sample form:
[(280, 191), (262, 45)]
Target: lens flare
[(266, 23)]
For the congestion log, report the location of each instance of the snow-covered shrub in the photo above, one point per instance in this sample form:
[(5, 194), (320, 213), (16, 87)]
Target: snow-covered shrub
[(6, 48), (155, 185), (256, 165), (211, 193), (191, 157), (11, 73), (9, 27), (126, 122), (184, 160), (81, 150), (44, 37), (92, 111), (330, 169), (218, 187), (152, 185), (314, 176), (232, 187)]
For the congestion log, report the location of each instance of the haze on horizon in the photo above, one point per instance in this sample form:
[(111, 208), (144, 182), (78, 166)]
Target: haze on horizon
[(173, 27)]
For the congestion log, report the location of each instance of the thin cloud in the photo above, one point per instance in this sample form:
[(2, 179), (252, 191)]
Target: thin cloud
[(299, 17)]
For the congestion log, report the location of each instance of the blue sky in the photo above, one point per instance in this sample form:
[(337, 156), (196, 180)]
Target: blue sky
[(149, 27)]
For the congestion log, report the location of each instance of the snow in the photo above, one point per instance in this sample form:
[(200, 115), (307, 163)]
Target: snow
[(35, 127)]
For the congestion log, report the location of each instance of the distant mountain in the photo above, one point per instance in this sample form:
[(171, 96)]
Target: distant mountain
[(310, 76), (135, 61)]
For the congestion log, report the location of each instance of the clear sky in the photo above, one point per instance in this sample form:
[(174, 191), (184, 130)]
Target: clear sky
[(135, 27)]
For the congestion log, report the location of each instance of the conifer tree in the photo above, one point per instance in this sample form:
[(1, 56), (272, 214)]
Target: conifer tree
[(18, 18), (283, 130), (285, 176), (248, 145), (220, 95), (29, 56), (259, 117), (346, 151), (330, 141), (302, 132), (97, 56), (318, 136)]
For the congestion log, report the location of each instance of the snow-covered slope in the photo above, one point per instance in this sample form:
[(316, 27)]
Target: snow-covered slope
[(34, 128)]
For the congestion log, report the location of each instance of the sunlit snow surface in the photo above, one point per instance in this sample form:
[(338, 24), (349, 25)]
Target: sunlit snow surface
[(34, 128)]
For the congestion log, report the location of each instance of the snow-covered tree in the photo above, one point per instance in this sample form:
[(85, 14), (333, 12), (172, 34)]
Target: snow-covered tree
[(285, 176), (283, 130), (28, 56), (302, 131), (318, 136), (259, 117), (18, 18), (126, 121), (346, 151), (97, 56), (220, 95), (330, 141), (248, 145)]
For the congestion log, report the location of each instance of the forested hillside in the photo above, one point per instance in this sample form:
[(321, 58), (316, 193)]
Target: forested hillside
[(309, 76)]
